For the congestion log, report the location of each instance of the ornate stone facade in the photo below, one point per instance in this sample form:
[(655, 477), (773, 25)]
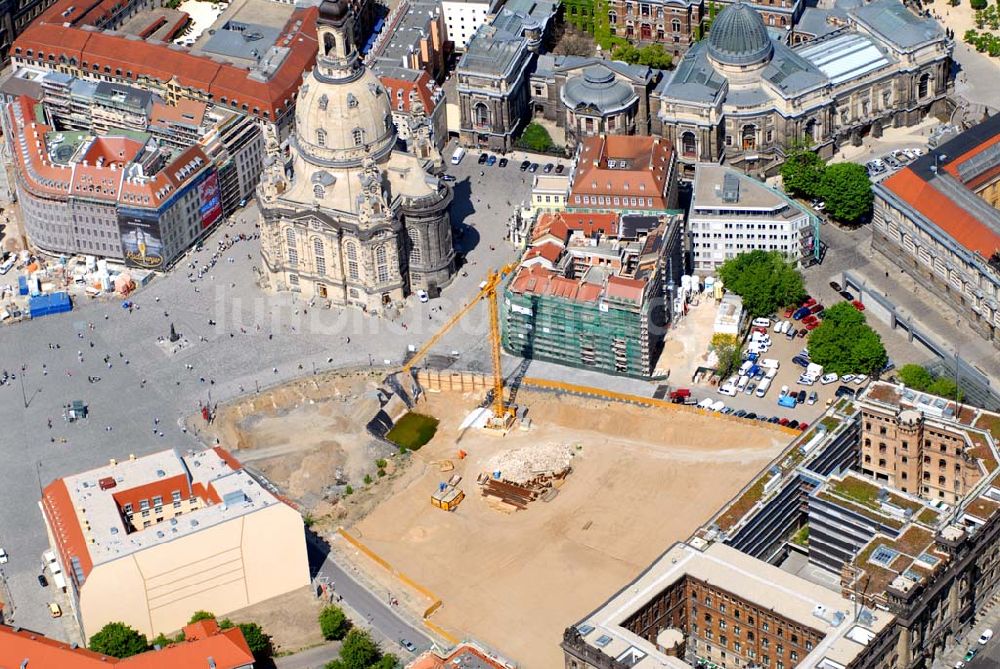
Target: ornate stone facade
[(350, 218)]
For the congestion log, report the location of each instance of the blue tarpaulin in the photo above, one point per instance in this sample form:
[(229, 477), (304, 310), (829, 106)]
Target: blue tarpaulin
[(22, 285), (53, 303)]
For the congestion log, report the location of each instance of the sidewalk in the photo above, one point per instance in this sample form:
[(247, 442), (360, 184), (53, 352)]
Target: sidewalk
[(987, 617)]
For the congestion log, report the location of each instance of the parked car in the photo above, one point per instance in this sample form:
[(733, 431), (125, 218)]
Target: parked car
[(793, 424), (533, 168), (679, 395), (761, 323), (970, 654), (818, 205), (548, 168), (503, 162), (806, 379), (491, 161), (789, 311), (408, 645), (891, 162), (860, 378), (810, 319), (827, 379), (836, 286), (525, 165), (813, 325), (801, 397), (800, 313), (846, 294), (719, 405), (783, 422), (3, 556), (784, 391), (816, 308), (846, 378), (791, 333), (751, 416), (800, 360), (813, 396), (740, 413), (448, 177), (773, 419), (42, 581), (483, 157), (560, 168), (808, 302), (803, 332), (54, 610), (844, 391), (985, 637), (803, 425)]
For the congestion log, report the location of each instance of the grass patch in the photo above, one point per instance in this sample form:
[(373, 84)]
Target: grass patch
[(991, 424), (742, 505), (413, 431), (802, 536), (830, 423), (928, 517)]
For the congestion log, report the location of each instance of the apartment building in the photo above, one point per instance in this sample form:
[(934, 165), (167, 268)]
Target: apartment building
[(464, 17), (732, 213), (549, 192), (623, 173), (594, 291), (112, 170), (148, 541), (938, 220)]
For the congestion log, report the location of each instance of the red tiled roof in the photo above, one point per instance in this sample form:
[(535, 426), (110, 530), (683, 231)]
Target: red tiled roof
[(549, 251), (625, 289), (227, 648), (421, 87), (561, 224), (648, 159), (962, 226), (61, 516), (51, 36), (538, 280)]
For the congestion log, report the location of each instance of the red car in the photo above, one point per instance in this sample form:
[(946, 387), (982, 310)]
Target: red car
[(803, 426), (858, 305), (810, 319), (812, 326), (816, 308), (789, 311), (803, 332), (783, 422), (809, 302)]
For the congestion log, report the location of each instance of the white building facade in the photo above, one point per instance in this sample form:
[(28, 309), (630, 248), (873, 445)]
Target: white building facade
[(463, 17)]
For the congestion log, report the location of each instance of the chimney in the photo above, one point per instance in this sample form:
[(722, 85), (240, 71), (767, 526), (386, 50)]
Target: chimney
[(211, 662)]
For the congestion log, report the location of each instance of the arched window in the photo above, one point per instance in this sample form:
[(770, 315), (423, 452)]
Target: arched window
[(675, 25), (352, 261), (415, 254), (689, 145), (329, 44), (359, 136), (381, 265), (612, 18), (481, 115), (319, 253), (749, 136), (293, 251), (321, 136), (923, 86)]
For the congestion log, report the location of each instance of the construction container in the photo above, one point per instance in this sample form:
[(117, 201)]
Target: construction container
[(53, 303), (447, 497)]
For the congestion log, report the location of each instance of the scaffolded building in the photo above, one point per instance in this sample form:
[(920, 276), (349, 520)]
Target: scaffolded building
[(594, 291)]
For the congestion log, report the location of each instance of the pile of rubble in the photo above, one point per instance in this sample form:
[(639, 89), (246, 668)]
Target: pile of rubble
[(516, 477)]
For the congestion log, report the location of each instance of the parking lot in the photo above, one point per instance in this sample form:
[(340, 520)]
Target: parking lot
[(890, 162), (783, 350)]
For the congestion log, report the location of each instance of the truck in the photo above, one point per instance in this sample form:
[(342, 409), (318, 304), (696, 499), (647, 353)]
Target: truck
[(680, 395), (814, 370)]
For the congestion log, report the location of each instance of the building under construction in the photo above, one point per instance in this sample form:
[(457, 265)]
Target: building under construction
[(594, 290)]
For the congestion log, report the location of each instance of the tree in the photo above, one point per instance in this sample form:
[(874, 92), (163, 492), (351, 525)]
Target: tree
[(727, 351), (655, 56), (333, 623), (257, 640), (802, 173), (575, 43), (978, 4), (915, 376), (201, 615), (536, 138), (357, 652), (626, 53), (847, 191), (387, 661), (843, 314), (118, 640), (945, 387), (846, 345), (764, 279)]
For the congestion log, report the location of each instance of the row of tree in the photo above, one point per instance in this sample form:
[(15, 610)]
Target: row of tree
[(845, 344), (119, 640), (845, 187), (651, 55), (920, 378), (765, 280)]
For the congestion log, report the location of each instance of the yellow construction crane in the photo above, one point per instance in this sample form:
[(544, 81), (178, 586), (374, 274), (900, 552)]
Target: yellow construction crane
[(502, 416)]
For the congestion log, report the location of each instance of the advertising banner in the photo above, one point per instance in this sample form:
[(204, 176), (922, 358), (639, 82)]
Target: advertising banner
[(211, 202), (142, 242)]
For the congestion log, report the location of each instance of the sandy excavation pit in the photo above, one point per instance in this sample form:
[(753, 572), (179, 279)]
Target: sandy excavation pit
[(641, 479)]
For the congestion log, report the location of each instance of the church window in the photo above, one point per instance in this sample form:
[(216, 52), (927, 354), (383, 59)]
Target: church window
[(320, 254), (381, 265), (293, 251), (415, 254), (323, 102), (352, 101), (319, 192), (352, 261), (321, 137), (359, 136)]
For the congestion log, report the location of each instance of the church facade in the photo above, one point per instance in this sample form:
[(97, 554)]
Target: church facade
[(351, 214)]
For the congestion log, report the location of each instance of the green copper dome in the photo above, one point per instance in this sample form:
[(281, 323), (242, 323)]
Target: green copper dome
[(738, 36)]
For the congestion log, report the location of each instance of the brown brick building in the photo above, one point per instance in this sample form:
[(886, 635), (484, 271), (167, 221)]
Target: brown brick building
[(921, 444)]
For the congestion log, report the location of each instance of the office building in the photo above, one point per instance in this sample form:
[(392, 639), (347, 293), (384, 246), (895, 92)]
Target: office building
[(732, 213), (464, 17), (148, 541), (624, 173)]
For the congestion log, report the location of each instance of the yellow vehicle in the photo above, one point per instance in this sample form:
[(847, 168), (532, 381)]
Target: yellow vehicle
[(54, 610)]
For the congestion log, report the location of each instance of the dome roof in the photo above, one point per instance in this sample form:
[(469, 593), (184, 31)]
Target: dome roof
[(343, 120), (738, 36), (598, 88)]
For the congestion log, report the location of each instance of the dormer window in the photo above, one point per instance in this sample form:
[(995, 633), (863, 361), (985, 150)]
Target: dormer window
[(323, 102), (319, 192), (321, 137), (359, 136), (352, 101)]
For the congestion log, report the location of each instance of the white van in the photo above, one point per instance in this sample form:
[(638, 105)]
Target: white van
[(8, 264), (728, 389), (742, 383), (456, 157), (761, 322), (762, 387), (769, 363)]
